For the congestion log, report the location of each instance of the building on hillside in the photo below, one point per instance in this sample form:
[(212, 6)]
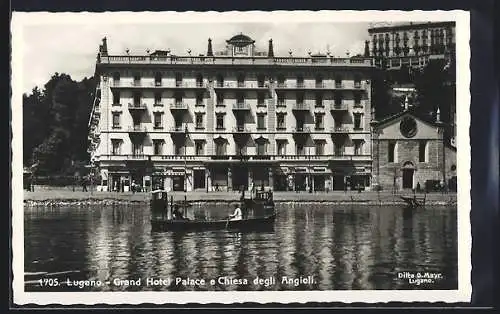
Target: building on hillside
[(404, 50), (410, 153), (232, 119), (411, 45)]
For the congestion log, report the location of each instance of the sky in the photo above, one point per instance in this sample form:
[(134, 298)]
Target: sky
[(69, 42), (72, 49)]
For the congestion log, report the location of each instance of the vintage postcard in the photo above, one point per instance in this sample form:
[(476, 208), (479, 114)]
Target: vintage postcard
[(231, 157)]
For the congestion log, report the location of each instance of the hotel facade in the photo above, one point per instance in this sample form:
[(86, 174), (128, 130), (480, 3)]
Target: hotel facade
[(232, 120), (411, 45)]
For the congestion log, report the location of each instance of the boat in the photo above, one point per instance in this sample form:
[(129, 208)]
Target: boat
[(162, 215), (250, 224), (262, 201), (414, 201)]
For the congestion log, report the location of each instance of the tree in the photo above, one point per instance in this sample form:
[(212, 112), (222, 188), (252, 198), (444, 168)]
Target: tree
[(435, 89), (35, 128), (382, 101), (55, 123)]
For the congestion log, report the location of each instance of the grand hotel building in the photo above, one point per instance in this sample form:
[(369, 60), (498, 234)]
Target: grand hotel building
[(232, 119)]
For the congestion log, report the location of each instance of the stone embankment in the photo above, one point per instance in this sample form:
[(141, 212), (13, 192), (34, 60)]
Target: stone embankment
[(69, 198)]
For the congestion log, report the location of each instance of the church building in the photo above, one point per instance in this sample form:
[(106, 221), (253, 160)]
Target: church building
[(410, 153)]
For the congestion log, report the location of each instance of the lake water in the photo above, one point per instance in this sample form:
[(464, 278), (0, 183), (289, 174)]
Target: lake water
[(322, 247)]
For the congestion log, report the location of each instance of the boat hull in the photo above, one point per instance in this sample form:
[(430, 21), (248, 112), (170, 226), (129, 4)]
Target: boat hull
[(254, 224)]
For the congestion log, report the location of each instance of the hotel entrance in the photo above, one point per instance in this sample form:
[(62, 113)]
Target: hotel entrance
[(339, 183), (199, 179), (158, 182), (178, 183), (240, 177), (300, 181), (319, 182), (280, 180), (260, 177), (116, 182), (219, 179), (359, 182)]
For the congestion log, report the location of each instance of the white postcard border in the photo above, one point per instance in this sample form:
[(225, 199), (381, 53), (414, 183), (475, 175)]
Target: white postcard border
[(463, 294)]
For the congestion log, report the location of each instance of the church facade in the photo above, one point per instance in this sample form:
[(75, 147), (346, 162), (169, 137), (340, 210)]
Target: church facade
[(410, 153)]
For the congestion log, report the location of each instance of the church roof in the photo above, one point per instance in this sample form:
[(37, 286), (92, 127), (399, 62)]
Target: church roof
[(411, 112)]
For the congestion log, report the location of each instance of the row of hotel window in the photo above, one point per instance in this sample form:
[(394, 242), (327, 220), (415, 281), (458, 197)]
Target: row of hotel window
[(437, 37), (221, 148), (261, 121), (434, 33), (240, 98), (261, 79)]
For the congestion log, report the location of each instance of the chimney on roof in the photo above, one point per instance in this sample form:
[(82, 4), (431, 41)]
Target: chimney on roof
[(104, 47), (210, 53), (367, 48), (270, 52)]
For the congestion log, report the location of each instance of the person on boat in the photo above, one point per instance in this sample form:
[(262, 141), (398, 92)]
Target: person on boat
[(237, 215), (84, 184), (177, 214)]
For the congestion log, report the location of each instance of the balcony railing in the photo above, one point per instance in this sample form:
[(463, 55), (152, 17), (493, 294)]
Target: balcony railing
[(138, 157), (201, 85), (137, 106), (329, 85), (241, 106), (340, 129), (179, 105), (229, 60), (241, 129), (302, 129), (302, 106), (241, 85), (338, 106), (159, 85), (178, 129), (358, 104), (239, 157), (137, 129)]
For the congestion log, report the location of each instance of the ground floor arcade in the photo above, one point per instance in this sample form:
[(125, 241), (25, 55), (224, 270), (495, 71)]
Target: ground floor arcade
[(234, 177)]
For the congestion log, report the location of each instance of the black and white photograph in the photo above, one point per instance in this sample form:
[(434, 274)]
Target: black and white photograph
[(224, 157)]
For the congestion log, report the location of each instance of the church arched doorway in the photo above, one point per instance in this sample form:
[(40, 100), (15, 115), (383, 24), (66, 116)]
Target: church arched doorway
[(408, 175)]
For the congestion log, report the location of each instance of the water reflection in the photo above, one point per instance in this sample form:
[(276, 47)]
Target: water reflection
[(342, 248)]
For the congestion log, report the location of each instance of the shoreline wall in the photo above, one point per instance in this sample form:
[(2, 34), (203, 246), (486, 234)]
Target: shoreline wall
[(145, 203)]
